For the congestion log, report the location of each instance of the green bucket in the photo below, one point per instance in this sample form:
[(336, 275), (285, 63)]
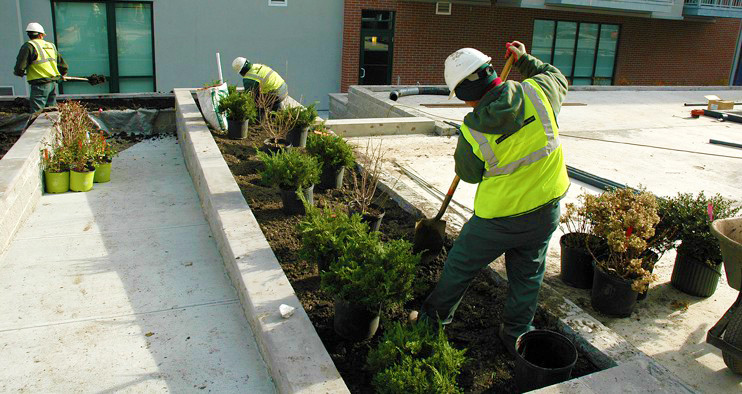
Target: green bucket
[(103, 173), (57, 182), (81, 181)]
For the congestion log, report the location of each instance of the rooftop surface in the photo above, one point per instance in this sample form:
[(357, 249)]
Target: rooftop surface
[(633, 137)]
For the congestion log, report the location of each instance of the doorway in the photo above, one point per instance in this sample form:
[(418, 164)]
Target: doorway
[(377, 47)]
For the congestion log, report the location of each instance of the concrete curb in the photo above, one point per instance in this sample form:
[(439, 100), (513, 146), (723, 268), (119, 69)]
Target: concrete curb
[(21, 178), (291, 348)]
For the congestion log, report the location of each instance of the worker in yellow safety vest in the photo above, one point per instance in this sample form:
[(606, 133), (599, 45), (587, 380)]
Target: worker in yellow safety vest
[(261, 80), (509, 145), (43, 67)]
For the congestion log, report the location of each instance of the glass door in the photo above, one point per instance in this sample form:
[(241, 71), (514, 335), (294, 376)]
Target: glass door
[(377, 38)]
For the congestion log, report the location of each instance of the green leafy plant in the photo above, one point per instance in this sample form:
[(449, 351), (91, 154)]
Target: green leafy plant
[(238, 106), (331, 150), (415, 358), (326, 234), (289, 169), (74, 128), (212, 84), (302, 116), (689, 218), (55, 159), (371, 273), (103, 151), (575, 221), (626, 219)]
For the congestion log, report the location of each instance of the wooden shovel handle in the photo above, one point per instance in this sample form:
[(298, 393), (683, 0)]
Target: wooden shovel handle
[(506, 70), (448, 198)]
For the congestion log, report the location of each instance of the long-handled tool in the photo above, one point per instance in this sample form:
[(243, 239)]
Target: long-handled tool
[(93, 79), (430, 233)]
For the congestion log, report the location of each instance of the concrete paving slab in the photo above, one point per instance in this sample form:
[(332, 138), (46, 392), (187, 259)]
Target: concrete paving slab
[(123, 289), (660, 326)]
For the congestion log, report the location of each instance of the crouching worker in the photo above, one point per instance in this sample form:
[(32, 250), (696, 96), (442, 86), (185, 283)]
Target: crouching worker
[(509, 146), (268, 87)]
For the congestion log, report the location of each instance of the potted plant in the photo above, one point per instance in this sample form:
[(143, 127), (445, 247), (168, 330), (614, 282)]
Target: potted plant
[(576, 243), (415, 358), (370, 276), (103, 153), (303, 118), (82, 172), (325, 235), (55, 164), (364, 189), (698, 262), (276, 124), (626, 219), (334, 154), (293, 171), (239, 108)]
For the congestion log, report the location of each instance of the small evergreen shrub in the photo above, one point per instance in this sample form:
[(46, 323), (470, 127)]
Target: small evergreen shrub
[(331, 151), (326, 234), (238, 106), (303, 116), (415, 358), (289, 169)]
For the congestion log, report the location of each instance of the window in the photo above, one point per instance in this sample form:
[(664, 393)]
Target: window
[(278, 3), (106, 38), (584, 52)]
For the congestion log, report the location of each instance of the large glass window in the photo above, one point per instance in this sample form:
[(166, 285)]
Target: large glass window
[(106, 38), (584, 52)]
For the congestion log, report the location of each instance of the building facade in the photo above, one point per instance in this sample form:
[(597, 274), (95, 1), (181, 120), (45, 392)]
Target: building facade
[(593, 42), (158, 45)]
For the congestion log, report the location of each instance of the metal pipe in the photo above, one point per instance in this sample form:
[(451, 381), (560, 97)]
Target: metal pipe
[(732, 144), (431, 90)]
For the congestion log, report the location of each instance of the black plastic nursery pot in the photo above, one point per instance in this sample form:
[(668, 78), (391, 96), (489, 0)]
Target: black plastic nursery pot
[(237, 130), (292, 204), (355, 322), (298, 136), (543, 358), (693, 276), (576, 261), (612, 296), (274, 145), (373, 219), (331, 178)]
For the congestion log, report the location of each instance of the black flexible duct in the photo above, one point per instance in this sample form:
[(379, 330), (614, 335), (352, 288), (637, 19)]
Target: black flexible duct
[(432, 90)]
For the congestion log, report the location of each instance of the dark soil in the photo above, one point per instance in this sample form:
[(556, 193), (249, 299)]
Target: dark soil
[(6, 142), (20, 104), (489, 367)]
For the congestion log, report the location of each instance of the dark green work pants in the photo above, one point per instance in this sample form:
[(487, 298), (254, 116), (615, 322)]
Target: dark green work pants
[(524, 239), (42, 95)]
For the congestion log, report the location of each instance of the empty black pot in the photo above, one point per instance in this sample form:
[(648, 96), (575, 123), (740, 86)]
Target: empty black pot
[(354, 322), (543, 358), (272, 145)]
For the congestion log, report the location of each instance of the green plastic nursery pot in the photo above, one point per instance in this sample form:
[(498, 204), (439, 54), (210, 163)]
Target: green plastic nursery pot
[(81, 181), (693, 276), (102, 173), (292, 204), (354, 322), (543, 358), (610, 295), (57, 182)]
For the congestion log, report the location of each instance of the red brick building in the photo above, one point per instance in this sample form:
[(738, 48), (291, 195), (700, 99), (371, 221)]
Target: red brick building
[(645, 50)]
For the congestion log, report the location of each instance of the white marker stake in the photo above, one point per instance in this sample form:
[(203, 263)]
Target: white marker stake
[(219, 66)]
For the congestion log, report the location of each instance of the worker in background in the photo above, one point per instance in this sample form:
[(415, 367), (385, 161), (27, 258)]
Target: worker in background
[(42, 65), (509, 145), (262, 80)]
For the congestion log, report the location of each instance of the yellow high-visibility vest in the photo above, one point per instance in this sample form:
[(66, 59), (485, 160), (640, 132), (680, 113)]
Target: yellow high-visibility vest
[(45, 65), (525, 170), (269, 80)]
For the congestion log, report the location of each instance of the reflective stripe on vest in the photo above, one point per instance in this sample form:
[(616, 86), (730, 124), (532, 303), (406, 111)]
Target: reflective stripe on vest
[(45, 65), (551, 145), (269, 80)]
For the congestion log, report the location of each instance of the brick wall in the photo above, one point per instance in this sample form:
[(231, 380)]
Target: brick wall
[(650, 51)]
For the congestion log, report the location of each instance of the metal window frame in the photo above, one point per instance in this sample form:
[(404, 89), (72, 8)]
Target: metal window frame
[(278, 3), (113, 78), (577, 37)]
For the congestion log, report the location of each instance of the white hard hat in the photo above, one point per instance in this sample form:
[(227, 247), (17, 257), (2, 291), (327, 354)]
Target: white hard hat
[(238, 63), (35, 27), (461, 64)]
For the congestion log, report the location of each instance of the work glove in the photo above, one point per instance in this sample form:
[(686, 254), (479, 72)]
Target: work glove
[(515, 48)]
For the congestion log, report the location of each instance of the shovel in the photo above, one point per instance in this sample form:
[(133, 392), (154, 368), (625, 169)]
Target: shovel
[(430, 233), (93, 79)]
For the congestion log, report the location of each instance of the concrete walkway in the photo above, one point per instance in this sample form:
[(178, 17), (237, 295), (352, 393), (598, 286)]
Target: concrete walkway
[(123, 289)]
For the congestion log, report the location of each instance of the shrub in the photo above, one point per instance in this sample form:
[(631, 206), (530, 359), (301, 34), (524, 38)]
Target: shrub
[(300, 116), (289, 169), (331, 150), (103, 152), (575, 220), (55, 159), (238, 106), (690, 217), (626, 220), (364, 184), (371, 273), (326, 234), (415, 358)]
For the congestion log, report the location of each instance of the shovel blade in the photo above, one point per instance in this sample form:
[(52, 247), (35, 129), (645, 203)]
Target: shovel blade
[(429, 236)]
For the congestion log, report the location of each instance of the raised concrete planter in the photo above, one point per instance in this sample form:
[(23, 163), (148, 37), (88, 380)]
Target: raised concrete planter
[(291, 348), (21, 178)]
